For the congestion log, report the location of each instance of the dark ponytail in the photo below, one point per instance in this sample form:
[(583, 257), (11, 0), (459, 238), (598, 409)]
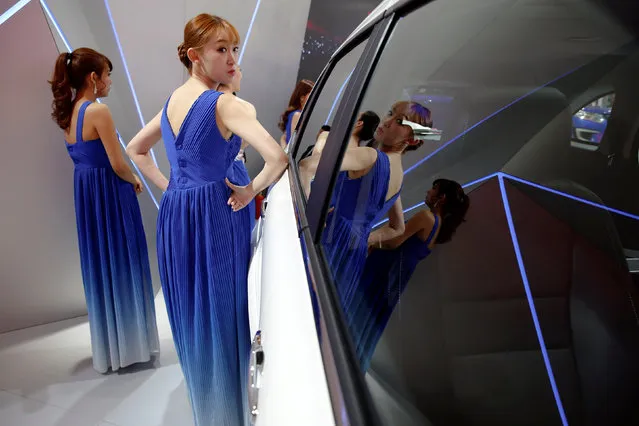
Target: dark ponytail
[(69, 76), (62, 92), (454, 209)]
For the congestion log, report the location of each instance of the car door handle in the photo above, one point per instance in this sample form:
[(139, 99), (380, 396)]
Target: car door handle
[(256, 365)]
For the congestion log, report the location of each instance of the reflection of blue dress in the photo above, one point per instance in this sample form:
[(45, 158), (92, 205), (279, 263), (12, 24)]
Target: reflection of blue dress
[(385, 277), (358, 203), (238, 175), (114, 259), (203, 255), (289, 125)]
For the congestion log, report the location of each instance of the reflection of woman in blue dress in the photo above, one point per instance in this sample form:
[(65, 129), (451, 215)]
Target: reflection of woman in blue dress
[(203, 248), (112, 242), (291, 116), (368, 191), (392, 262)]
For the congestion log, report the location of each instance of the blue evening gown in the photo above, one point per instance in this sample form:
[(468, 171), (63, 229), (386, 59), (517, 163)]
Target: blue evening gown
[(203, 255), (239, 176), (386, 274), (357, 205), (114, 259)]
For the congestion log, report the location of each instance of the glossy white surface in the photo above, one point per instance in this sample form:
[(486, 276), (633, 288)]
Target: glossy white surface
[(294, 389)]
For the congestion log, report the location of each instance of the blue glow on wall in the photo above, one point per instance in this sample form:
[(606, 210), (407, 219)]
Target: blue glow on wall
[(128, 75), (13, 10), (466, 185), (248, 32), (572, 197), (48, 12), (531, 302)]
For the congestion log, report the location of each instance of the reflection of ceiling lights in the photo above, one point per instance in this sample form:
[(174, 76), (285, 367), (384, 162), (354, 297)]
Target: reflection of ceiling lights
[(590, 116), (422, 132)]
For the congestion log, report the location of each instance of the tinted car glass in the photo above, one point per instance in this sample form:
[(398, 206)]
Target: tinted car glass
[(479, 251)]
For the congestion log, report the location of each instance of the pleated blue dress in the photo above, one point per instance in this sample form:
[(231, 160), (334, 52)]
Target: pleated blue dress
[(358, 203), (386, 274), (203, 255), (238, 175), (113, 258)]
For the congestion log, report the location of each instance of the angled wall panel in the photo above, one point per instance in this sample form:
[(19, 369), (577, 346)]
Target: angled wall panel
[(86, 24), (40, 277)]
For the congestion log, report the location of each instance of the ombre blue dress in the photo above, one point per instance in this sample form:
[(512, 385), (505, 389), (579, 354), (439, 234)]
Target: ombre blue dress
[(113, 258), (238, 175), (203, 256), (386, 274), (358, 204)]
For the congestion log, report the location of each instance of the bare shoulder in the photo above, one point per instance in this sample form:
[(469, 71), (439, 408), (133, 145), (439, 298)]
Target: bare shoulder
[(369, 152), (98, 111), (231, 104)]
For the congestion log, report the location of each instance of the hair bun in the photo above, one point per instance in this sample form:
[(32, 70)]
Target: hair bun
[(182, 54)]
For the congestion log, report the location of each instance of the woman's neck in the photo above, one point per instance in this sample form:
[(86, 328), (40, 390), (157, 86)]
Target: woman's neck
[(353, 142), (199, 80), (85, 95)]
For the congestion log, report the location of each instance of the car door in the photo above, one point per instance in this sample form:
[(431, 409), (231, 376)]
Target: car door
[(491, 325)]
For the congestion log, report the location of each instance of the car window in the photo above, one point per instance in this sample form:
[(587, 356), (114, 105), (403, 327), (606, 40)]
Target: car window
[(479, 258), (323, 112)]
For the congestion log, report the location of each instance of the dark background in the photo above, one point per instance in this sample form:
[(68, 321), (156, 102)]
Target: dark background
[(330, 22)]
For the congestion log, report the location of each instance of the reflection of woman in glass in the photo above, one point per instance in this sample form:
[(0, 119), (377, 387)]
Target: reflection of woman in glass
[(363, 131), (392, 262), (291, 116), (368, 190)]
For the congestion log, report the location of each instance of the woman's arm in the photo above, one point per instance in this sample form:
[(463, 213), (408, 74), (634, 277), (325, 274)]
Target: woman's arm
[(355, 159), (139, 147), (319, 144), (392, 230), (241, 119), (421, 221), (103, 121)]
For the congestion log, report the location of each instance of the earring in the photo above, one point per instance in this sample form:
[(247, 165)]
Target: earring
[(95, 89)]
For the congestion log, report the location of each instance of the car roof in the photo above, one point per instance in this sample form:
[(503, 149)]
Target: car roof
[(374, 15)]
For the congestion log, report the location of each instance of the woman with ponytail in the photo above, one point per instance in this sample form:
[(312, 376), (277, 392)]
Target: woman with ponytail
[(112, 242), (391, 263)]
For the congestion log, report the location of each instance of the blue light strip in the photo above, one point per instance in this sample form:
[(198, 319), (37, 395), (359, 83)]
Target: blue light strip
[(474, 126), (46, 9), (531, 303), (339, 93), (572, 197), (128, 75), (13, 10), (248, 32), (466, 185)]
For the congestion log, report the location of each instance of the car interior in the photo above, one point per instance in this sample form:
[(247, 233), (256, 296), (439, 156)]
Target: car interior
[(529, 315)]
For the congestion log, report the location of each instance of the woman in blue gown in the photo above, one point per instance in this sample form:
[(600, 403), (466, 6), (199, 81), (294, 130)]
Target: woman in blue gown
[(113, 253), (237, 173), (203, 229), (291, 116), (390, 266), (368, 190)]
